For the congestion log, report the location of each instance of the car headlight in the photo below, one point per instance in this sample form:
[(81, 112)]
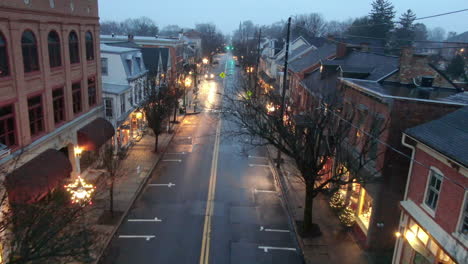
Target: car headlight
[(206, 75), (211, 76)]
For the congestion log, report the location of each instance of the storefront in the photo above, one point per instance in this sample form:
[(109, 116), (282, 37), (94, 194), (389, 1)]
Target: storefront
[(358, 199), (131, 129), (420, 248)]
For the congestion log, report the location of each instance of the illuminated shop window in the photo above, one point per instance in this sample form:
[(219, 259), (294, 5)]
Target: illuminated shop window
[(365, 208)]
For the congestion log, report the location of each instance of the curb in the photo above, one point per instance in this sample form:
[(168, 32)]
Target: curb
[(135, 196), (279, 177)]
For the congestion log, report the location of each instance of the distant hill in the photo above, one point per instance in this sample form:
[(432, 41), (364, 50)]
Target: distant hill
[(463, 37)]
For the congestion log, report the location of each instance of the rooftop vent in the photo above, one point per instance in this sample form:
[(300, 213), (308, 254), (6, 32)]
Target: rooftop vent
[(427, 81)]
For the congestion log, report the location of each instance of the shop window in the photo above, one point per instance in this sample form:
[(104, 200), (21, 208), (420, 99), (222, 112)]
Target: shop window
[(89, 46), (108, 107), (7, 126), (350, 192), (92, 91), (73, 47), (433, 189), (55, 59), (36, 115), (365, 208), (104, 69), (59, 105), (76, 96), (4, 68), (29, 50)]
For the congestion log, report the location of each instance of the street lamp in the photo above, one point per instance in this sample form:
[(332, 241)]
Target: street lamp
[(205, 61), (78, 151)]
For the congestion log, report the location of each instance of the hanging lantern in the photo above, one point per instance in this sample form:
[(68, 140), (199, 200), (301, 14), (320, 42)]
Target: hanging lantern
[(80, 191)]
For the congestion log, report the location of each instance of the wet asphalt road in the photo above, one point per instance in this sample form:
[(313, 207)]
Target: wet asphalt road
[(207, 201)]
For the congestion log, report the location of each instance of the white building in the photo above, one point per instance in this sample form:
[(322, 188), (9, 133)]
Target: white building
[(123, 78)]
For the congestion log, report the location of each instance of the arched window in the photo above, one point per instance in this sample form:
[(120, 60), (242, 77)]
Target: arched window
[(4, 69), (73, 45), (55, 58), (89, 46), (29, 48)]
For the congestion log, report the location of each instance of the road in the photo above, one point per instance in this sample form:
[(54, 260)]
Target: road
[(207, 201)]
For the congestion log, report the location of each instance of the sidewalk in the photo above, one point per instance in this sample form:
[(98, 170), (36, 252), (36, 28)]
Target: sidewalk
[(335, 245), (137, 167)]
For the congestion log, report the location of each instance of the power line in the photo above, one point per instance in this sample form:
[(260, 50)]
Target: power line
[(423, 41)]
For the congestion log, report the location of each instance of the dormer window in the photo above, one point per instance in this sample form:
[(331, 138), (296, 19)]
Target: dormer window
[(138, 63), (129, 64)]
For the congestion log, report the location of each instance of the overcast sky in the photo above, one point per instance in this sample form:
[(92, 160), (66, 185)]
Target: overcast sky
[(226, 14)]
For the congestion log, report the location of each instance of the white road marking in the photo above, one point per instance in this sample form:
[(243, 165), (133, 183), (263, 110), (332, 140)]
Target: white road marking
[(148, 238), (273, 230), (256, 157), (266, 248), (173, 160), (264, 191), (259, 165), (161, 184), (145, 220)]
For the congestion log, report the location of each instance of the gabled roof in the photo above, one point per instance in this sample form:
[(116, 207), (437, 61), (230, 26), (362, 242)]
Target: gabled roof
[(151, 58), (447, 135), (312, 57)]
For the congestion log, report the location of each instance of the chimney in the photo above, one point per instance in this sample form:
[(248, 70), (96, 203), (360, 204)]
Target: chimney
[(412, 65), (113, 35), (130, 37), (341, 50)]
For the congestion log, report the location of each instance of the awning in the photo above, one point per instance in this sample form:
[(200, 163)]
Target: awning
[(95, 134), (37, 177)]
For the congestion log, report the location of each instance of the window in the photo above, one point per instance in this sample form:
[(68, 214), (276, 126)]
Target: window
[(59, 105), (76, 95), (129, 65), (92, 91), (29, 49), (89, 46), (55, 58), (464, 220), (36, 116), (108, 107), (73, 46), (138, 64), (7, 126), (433, 189), (104, 66), (4, 69), (122, 103)]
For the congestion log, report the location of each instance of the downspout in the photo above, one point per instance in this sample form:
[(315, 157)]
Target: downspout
[(399, 241)]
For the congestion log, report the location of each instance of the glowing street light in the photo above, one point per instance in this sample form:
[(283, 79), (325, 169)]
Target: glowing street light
[(80, 191), (270, 107), (205, 61), (78, 151), (188, 82)]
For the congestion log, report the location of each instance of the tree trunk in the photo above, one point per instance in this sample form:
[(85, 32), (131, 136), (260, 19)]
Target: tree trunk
[(156, 141), (111, 195), (308, 208)]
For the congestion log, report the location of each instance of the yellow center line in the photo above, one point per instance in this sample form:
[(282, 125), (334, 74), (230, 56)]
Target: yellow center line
[(206, 239)]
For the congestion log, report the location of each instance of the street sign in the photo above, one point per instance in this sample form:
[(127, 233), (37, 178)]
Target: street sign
[(222, 75)]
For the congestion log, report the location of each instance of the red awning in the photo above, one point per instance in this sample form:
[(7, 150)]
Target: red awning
[(95, 134), (37, 177)]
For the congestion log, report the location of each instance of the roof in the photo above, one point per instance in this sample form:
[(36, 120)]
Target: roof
[(114, 49), (114, 88), (447, 135), (396, 90), (124, 44), (151, 58), (312, 57), (121, 38), (461, 98)]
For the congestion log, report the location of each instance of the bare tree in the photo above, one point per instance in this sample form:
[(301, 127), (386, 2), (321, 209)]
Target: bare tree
[(212, 38), (113, 164), (52, 230), (142, 26), (170, 30), (157, 110), (436, 34), (313, 24), (310, 139)]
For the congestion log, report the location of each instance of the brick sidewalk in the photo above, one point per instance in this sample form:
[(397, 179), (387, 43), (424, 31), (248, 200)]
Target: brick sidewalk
[(335, 245), (137, 166)]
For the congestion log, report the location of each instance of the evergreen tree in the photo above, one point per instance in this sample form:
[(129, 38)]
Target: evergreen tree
[(360, 27), (405, 33), (456, 67), (381, 18)]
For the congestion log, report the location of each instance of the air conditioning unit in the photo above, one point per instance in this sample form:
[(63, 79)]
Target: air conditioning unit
[(4, 151)]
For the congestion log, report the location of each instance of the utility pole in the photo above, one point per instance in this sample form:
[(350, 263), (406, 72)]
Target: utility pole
[(258, 62), (285, 84)]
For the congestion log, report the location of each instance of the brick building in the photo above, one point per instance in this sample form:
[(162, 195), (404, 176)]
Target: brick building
[(434, 221), (50, 93)]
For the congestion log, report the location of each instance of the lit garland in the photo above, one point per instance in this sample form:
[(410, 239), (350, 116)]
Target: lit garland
[(337, 201), (80, 191), (347, 217)]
